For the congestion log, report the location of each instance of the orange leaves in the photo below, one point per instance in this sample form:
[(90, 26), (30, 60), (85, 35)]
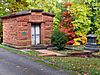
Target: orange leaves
[(66, 25), (65, 13), (71, 42), (66, 4), (68, 30)]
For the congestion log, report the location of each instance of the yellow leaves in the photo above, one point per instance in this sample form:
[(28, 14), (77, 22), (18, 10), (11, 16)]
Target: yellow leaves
[(77, 39), (79, 33), (76, 43), (18, 6), (80, 40), (84, 39)]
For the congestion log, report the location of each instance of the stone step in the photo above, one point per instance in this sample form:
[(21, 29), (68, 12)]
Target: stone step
[(39, 47), (91, 46), (48, 53), (91, 49)]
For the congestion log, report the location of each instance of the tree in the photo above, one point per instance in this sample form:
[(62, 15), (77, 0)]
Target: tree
[(17, 5), (87, 17), (97, 23), (66, 25), (13, 5), (81, 21), (94, 6)]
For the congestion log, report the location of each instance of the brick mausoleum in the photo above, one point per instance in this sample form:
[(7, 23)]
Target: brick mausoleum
[(26, 28)]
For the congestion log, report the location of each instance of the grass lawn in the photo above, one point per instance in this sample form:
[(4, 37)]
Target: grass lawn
[(98, 53), (90, 66), (83, 66)]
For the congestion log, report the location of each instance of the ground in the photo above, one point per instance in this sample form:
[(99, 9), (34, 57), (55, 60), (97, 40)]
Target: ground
[(74, 65), (13, 64)]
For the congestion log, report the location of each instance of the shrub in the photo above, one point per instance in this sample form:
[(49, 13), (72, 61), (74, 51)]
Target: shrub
[(59, 40)]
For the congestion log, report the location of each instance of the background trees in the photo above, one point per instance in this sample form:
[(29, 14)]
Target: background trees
[(87, 16), (86, 12)]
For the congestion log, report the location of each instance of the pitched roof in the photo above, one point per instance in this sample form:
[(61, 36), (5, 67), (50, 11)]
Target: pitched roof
[(48, 13), (26, 12)]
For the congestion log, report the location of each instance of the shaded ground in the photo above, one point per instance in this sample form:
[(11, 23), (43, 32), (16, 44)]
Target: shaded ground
[(12, 64)]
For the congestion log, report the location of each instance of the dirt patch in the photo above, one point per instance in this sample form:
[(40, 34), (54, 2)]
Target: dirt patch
[(83, 55), (80, 54), (48, 53)]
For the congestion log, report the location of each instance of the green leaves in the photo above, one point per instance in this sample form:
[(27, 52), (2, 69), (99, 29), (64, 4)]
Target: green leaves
[(58, 40), (82, 22), (87, 17)]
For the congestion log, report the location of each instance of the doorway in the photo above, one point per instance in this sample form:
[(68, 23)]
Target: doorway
[(35, 34)]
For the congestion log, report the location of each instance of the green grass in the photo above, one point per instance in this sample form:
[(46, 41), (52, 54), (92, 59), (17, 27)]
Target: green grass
[(89, 66), (16, 51), (97, 53)]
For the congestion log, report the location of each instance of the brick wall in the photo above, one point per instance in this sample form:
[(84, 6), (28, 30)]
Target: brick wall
[(23, 31), (9, 30), (16, 31), (47, 29)]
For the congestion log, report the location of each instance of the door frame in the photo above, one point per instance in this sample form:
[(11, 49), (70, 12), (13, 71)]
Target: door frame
[(34, 24)]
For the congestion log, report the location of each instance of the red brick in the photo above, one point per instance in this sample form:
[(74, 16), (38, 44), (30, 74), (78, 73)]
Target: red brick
[(23, 18), (48, 18)]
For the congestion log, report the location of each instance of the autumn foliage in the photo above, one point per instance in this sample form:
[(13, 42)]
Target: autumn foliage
[(66, 25), (66, 4)]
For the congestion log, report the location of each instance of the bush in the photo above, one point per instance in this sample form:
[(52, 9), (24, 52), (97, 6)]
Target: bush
[(59, 40)]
